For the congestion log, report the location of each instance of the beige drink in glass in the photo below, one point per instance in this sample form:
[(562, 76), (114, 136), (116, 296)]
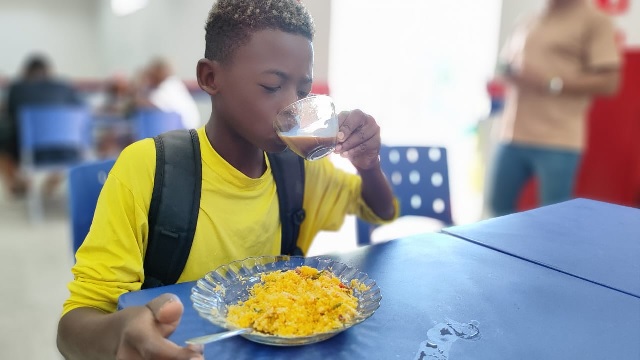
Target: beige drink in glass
[(309, 126)]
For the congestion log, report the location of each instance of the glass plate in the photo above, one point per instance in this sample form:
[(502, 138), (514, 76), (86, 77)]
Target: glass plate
[(230, 283)]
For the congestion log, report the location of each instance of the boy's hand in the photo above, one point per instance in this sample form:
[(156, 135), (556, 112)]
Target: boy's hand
[(144, 336), (359, 139)]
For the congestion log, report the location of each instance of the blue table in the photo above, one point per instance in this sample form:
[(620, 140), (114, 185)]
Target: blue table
[(522, 310), (592, 240)]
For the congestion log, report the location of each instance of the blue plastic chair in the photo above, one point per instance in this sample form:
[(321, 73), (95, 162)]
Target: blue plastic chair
[(52, 138), (85, 184), (53, 127), (151, 122), (419, 177)]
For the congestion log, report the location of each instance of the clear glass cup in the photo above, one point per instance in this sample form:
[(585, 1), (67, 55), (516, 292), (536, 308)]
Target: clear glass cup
[(309, 126)]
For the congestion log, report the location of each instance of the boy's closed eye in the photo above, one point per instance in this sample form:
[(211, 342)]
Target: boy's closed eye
[(271, 89)]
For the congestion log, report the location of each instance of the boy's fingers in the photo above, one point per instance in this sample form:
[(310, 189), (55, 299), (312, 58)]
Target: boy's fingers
[(144, 342), (167, 310), (366, 131), (350, 121), (358, 146), (161, 348), (199, 348), (151, 345), (156, 304)]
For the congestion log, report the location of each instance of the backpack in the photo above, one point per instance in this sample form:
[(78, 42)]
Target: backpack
[(173, 212)]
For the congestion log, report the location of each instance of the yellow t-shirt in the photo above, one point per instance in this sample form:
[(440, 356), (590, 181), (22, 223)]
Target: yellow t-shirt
[(238, 218)]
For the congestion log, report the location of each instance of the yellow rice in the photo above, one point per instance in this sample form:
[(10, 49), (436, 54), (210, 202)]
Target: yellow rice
[(297, 302)]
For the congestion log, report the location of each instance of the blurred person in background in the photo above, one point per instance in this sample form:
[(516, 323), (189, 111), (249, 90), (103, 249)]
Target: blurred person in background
[(163, 90), (113, 131), (553, 64), (36, 86), (118, 98)]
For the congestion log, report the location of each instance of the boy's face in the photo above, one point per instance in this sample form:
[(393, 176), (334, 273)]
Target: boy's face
[(271, 71)]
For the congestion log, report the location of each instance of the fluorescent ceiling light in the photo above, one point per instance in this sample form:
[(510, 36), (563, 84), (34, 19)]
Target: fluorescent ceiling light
[(126, 7)]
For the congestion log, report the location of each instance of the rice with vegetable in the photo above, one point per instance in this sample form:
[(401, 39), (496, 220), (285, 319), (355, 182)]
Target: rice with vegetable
[(298, 302)]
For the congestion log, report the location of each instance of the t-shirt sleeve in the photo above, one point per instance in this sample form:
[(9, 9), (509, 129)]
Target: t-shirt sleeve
[(602, 50), (330, 195), (110, 260)]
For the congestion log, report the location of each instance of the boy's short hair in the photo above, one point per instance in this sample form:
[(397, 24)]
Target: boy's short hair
[(232, 22)]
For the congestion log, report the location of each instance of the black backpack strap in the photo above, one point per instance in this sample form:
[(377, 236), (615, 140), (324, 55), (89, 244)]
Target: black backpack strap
[(288, 172), (174, 208)]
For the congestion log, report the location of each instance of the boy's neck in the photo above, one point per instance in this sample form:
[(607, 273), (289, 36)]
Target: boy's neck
[(239, 153)]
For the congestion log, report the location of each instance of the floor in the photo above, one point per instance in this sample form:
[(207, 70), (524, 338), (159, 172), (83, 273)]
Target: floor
[(34, 270)]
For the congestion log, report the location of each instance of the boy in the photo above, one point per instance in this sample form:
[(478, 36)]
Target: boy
[(258, 59)]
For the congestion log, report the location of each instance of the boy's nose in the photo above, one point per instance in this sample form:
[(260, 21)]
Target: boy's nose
[(292, 96)]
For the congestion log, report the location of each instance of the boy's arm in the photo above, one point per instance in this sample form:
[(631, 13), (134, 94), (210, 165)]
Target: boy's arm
[(133, 333), (377, 192), (109, 263), (359, 141)]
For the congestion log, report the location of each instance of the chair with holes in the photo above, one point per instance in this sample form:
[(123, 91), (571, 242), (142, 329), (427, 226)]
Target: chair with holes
[(419, 177), (148, 123), (52, 139), (85, 184)]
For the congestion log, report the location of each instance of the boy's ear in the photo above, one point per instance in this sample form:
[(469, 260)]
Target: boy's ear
[(206, 72)]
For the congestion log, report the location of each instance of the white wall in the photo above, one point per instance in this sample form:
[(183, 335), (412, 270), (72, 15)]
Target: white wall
[(85, 40), (175, 29), (321, 12), (63, 29)]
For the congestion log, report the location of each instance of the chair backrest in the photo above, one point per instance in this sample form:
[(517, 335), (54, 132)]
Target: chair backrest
[(85, 184), (44, 128), (151, 122), (419, 177)]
